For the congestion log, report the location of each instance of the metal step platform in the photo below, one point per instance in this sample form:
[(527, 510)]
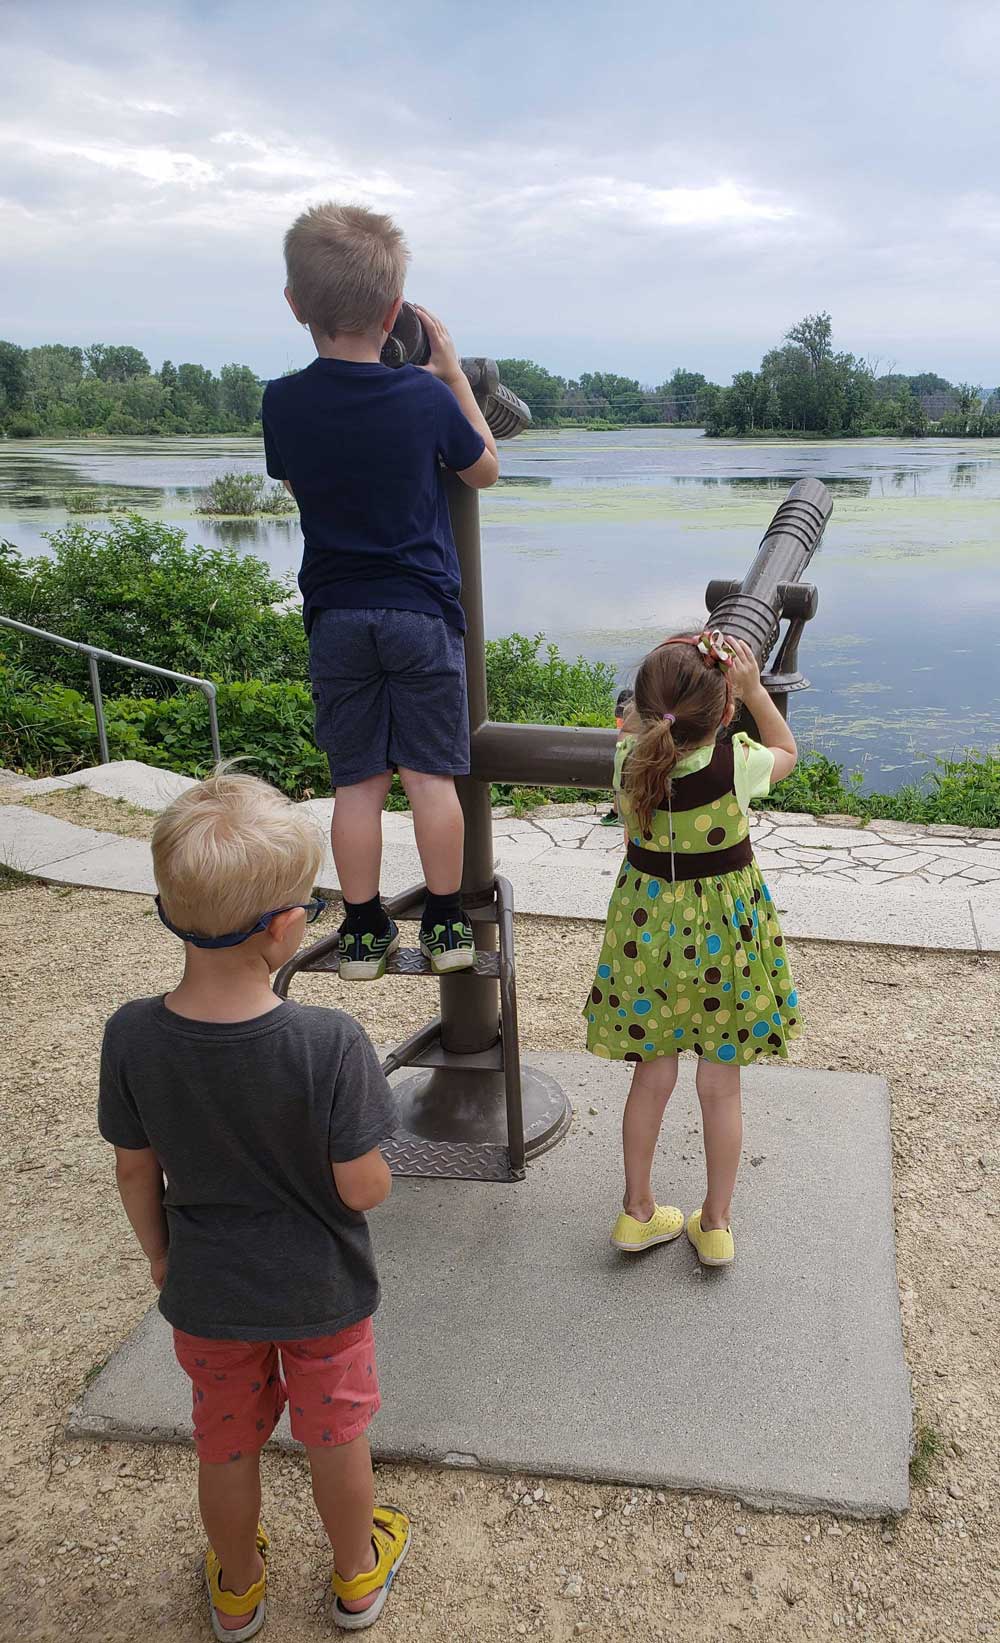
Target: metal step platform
[(471, 1111), (410, 961)]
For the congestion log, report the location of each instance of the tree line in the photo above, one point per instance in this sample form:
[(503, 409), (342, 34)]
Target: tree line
[(802, 386), (55, 389)]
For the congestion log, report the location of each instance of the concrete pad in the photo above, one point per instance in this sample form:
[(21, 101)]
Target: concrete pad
[(985, 909), (400, 869), (907, 913), (818, 837), (117, 864), (321, 810), (30, 840), (510, 1328), (570, 892), (511, 854), (141, 784)]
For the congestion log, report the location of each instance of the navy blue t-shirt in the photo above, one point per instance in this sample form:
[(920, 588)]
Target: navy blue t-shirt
[(361, 447)]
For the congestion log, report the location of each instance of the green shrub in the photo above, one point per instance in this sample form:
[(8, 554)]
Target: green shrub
[(245, 494), (523, 688), (49, 729), (961, 792), (135, 586), (87, 502), (46, 728), (22, 425)]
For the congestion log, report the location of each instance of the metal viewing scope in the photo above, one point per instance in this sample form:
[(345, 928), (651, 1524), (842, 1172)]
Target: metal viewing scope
[(470, 1108), (408, 344)]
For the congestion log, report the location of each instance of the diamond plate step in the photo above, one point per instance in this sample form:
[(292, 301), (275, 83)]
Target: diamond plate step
[(410, 961), (410, 1155)]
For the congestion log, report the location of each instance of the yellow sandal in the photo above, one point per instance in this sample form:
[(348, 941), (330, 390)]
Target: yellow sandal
[(255, 1597), (391, 1540)]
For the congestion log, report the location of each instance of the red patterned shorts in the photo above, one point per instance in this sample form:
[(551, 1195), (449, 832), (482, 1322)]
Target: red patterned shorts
[(241, 1387)]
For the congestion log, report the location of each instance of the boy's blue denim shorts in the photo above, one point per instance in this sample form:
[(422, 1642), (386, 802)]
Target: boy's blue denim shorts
[(389, 690)]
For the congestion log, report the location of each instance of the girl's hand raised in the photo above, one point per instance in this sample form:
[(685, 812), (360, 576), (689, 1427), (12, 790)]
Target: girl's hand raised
[(745, 673)]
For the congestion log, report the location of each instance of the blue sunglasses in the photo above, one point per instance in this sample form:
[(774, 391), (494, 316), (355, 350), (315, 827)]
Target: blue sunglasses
[(312, 910)]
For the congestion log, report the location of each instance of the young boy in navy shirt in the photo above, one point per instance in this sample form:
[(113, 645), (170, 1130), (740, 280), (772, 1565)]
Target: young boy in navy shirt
[(361, 447)]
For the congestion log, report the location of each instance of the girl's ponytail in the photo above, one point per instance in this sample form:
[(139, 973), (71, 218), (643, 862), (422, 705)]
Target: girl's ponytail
[(646, 777), (680, 700)]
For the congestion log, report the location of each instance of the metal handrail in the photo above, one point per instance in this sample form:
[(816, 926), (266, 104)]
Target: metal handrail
[(94, 656)]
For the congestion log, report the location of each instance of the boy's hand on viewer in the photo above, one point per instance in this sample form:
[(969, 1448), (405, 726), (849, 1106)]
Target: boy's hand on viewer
[(745, 673), (444, 361)]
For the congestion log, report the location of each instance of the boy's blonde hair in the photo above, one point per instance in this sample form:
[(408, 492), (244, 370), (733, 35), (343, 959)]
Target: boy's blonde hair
[(346, 267), (230, 849)]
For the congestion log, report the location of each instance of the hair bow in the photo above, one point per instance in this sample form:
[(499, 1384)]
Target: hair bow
[(714, 648)]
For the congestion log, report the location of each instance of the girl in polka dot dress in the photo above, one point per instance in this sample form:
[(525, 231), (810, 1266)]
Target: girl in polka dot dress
[(693, 956)]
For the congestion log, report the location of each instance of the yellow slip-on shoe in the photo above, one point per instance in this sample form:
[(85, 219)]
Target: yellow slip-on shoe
[(665, 1224), (715, 1248)]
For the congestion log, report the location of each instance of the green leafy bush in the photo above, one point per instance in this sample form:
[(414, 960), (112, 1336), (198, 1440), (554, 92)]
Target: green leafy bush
[(87, 502), (524, 688), (245, 494), (50, 729), (961, 792), (136, 587)]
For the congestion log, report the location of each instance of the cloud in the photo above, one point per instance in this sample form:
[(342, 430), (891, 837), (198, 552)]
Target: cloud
[(152, 163), (715, 205), (631, 192)]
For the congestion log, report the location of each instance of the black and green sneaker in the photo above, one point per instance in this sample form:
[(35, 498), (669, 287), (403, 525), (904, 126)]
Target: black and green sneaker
[(364, 956), (449, 944)]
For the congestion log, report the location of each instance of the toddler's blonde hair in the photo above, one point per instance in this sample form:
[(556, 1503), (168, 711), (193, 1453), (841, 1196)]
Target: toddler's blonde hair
[(230, 849), (346, 267)]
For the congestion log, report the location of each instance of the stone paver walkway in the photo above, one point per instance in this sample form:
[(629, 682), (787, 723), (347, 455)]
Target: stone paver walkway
[(885, 882)]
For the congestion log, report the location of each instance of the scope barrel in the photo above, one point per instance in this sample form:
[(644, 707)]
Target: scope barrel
[(577, 756), (754, 612)]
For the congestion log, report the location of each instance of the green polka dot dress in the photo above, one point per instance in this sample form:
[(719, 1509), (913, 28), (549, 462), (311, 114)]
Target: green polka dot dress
[(694, 959)]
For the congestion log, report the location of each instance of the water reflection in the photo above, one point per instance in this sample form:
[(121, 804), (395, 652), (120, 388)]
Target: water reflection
[(243, 533)]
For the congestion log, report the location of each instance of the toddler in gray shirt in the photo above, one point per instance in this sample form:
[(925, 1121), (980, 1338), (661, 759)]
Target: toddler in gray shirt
[(246, 1132)]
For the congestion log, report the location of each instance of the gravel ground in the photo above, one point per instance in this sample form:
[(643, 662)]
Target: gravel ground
[(104, 1541)]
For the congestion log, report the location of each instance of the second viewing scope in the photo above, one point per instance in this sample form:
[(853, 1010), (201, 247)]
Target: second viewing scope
[(408, 344)]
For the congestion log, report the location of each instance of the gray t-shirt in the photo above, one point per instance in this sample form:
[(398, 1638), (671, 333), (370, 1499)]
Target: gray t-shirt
[(246, 1119)]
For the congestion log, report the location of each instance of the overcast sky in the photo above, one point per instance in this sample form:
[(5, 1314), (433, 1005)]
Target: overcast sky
[(626, 186)]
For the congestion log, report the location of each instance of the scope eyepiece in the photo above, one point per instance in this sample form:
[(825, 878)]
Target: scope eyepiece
[(408, 344)]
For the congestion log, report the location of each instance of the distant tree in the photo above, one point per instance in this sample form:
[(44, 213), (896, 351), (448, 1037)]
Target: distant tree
[(541, 391), (968, 399), (13, 378), (54, 370), (168, 374), (742, 402), (814, 334), (678, 395), (706, 403), (609, 395), (115, 364), (240, 393), (197, 385), (928, 382), (146, 402)]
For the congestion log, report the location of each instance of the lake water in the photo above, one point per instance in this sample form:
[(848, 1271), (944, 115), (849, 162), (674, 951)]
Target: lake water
[(605, 542)]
